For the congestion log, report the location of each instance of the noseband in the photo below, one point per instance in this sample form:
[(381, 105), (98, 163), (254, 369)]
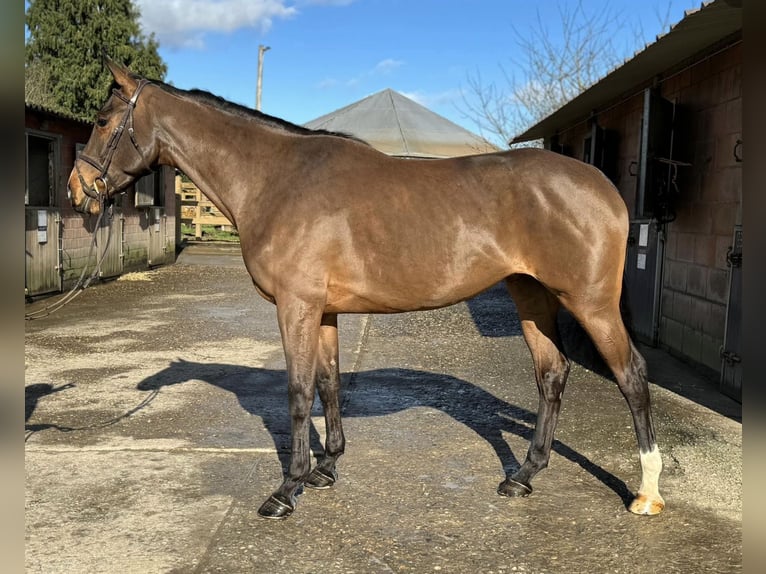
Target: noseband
[(105, 159)]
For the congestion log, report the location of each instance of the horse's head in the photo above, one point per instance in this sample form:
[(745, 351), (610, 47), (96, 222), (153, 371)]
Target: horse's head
[(121, 147)]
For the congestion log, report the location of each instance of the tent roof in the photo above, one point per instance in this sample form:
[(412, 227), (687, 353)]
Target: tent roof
[(397, 125), (713, 21)]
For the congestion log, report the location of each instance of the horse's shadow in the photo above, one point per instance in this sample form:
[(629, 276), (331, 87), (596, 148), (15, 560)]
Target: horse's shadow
[(32, 395), (375, 393)]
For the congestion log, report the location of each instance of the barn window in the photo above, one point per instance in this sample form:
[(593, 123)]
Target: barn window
[(41, 170), (554, 144), (664, 129), (149, 189), (600, 150)]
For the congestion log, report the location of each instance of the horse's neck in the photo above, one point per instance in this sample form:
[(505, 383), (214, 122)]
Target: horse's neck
[(212, 148)]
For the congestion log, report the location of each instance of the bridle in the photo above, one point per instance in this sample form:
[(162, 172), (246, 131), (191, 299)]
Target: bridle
[(105, 159)]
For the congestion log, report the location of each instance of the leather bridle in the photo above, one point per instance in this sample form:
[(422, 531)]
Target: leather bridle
[(93, 192)]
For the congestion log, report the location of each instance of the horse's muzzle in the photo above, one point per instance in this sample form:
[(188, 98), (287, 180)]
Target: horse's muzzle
[(81, 202)]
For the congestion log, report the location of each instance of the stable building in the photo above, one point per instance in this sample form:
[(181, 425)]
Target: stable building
[(666, 128), (62, 244)]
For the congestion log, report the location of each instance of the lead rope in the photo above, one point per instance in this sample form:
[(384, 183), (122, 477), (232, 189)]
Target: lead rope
[(81, 283), (31, 430)]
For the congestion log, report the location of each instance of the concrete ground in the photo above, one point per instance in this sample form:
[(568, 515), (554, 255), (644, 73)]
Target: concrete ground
[(156, 419)]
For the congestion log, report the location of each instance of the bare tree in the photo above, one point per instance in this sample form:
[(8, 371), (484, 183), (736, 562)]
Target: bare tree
[(554, 62)]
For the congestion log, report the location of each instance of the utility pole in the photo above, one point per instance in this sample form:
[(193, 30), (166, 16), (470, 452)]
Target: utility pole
[(261, 50)]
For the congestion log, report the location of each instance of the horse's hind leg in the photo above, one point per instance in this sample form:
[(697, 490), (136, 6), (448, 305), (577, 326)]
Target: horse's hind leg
[(324, 474), (608, 332), (537, 310)]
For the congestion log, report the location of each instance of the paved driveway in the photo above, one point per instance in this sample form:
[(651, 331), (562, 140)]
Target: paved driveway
[(156, 419)]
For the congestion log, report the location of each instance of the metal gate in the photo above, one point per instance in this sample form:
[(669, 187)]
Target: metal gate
[(157, 252), (731, 361), (42, 267), (643, 278)]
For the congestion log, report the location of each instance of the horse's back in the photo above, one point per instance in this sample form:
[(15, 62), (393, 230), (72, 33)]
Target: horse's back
[(387, 234)]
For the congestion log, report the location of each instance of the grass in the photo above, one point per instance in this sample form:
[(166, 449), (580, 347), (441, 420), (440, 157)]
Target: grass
[(210, 233)]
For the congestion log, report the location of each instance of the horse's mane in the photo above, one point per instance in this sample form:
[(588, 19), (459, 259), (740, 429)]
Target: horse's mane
[(245, 112)]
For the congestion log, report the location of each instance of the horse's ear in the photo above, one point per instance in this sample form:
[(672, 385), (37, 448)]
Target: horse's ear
[(120, 73)]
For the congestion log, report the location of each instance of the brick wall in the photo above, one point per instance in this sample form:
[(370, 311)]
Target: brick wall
[(696, 278)]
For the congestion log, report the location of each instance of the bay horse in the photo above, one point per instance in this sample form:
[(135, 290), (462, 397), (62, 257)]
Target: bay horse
[(329, 225)]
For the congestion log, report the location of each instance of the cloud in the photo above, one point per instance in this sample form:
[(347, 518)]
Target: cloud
[(382, 68), (184, 23), (434, 99), (327, 83), (329, 2), (386, 66)]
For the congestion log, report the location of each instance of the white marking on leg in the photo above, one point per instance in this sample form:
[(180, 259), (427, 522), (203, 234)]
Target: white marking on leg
[(651, 467), (648, 499)]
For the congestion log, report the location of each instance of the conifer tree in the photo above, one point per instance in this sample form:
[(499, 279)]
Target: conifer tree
[(64, 68)]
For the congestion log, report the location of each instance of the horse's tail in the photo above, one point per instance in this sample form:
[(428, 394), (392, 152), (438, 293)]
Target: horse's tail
[(627, 316)]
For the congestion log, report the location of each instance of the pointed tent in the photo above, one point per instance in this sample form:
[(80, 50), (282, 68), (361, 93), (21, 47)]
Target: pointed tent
[(399, 126)]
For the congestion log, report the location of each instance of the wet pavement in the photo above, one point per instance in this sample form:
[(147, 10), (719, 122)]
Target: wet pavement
[(156, 424)]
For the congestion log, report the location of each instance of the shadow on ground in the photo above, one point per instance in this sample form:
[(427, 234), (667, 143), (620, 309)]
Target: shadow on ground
[(379, 393), (494, 314), (492, 310)]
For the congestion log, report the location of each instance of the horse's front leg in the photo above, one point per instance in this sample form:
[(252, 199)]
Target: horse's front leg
[(299, 324), (328, 385)]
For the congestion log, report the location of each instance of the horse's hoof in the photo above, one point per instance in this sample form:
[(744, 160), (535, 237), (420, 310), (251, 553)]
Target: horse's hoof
[(510, 487), (320, 480), (645, 505), (276, 508)]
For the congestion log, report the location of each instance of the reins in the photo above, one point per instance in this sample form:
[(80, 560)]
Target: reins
[(95, 194)]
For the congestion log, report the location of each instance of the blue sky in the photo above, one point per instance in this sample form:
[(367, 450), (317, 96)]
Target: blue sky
[(326, 54)]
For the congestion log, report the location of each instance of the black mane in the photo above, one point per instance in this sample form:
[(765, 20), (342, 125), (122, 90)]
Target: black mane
[(245, 112)]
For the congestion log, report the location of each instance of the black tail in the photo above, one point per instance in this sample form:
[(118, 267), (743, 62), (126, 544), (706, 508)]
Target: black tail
[(627, 316)]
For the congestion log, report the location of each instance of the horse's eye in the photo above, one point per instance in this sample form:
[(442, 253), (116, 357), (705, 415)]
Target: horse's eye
[(101, 122)]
